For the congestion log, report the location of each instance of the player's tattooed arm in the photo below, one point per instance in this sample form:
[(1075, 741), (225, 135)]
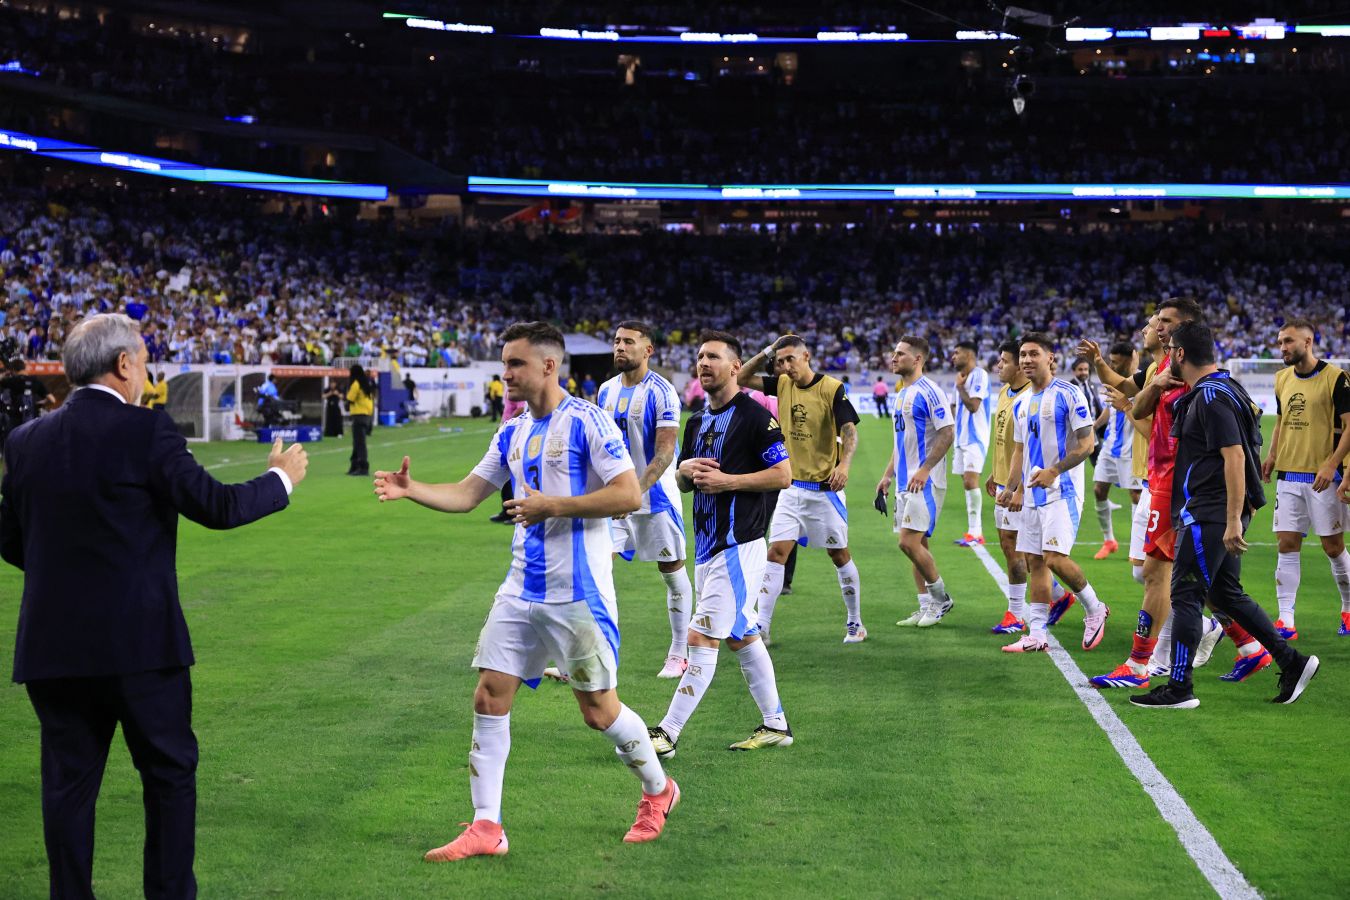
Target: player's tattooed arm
[(941, 444), (661, 459), (1086, 439)]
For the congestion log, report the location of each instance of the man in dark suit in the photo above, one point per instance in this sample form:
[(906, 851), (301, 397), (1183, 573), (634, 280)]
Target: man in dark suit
[(91, 499)]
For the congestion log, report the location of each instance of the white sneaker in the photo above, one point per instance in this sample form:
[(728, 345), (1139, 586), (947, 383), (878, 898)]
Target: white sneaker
[(914, 617), (854, 633), (674, 667), (1208, 641), (556, 674), (935, 612)]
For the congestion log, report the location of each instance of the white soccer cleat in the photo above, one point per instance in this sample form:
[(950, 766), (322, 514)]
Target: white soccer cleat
[(855, 633), (556, 674), (914, 618), (935, 612), (1208, 641), (674, 667)]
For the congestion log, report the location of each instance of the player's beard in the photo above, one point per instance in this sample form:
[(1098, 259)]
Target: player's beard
[(1295, 358), (625, 364)]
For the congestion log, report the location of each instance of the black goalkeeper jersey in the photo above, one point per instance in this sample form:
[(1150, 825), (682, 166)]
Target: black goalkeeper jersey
[(744, 438)]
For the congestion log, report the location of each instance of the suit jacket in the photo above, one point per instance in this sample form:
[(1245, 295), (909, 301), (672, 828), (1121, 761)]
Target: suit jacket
[(91, 499)]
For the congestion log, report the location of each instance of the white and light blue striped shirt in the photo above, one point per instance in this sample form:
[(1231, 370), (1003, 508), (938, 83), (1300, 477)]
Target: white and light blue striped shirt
[(1118, 442), (1044, 426), (972, 428), (921, 410), (639, 411), (574, 450)]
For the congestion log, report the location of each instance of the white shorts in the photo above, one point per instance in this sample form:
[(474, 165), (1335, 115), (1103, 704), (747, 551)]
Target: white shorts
[(919, 512), (727, 587), (520, 638), (649, 537), (1139, 524), (1116, 470), (819, 516), (1004, 518), (1052, 527), (969, 458), (1299, 508)]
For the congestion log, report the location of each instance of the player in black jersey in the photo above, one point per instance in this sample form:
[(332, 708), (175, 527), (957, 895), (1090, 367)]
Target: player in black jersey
[(731, 455)]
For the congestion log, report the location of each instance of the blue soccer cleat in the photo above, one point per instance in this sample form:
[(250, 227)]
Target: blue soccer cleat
[(1122, 676), (1060, 607), (1245, 667)]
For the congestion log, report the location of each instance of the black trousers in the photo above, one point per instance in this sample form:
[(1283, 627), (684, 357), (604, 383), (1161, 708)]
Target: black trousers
[(1204, 571), (77, 717), (361, 429), (882, 407)]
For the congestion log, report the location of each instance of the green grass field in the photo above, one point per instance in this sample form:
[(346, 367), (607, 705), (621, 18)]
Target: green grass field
[(333, 708)]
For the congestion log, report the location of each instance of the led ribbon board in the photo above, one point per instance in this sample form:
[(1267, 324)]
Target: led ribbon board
[(608, 190), (170, 168)]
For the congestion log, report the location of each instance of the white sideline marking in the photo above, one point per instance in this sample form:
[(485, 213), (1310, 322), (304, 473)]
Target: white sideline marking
[(1199, 844), (225, 463)]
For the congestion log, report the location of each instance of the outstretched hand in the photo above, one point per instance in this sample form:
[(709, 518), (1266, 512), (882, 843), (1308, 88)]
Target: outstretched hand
[(393, 485), (294, 461)]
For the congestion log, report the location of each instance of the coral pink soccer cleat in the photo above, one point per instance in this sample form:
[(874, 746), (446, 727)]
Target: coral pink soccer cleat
[(483, 838), (652, 812)]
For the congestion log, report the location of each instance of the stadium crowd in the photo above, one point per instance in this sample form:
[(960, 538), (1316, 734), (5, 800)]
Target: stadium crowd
[(231, 284)]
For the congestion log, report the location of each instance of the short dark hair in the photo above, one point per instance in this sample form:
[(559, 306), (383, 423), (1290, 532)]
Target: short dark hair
[(1300, 322), (916, 343), (1122, 348), (725, 337), (1188, 308), (968, 345), (1040, 338), (1010, 346), (1197, 341), (539, 334), (789, 340), (640, 327), (1081, 360)]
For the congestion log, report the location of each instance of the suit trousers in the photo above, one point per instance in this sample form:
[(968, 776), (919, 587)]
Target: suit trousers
[(77, 717)]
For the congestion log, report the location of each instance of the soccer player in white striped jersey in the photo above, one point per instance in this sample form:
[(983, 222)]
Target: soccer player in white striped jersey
[(1115, 462), (974, 407), (1052, 435), (923, 435), (647, 410), (571, 474)]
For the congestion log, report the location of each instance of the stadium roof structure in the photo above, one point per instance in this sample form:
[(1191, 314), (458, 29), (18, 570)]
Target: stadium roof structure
[(601, 190), (184, 171)]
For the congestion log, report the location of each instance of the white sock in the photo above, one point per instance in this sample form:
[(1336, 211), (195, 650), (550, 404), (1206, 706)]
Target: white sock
[(925, 600), (1088, 597), (631, 742), (1017, 600), (1104, 519), (938, 591), (1162, 651), (768, 593), (850, 586), (1288, 573), (487, 764), (1139, 573), (679, 605), (757, 668), (1037, 615), (1340, 572), (974, 518), (693, 684)]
